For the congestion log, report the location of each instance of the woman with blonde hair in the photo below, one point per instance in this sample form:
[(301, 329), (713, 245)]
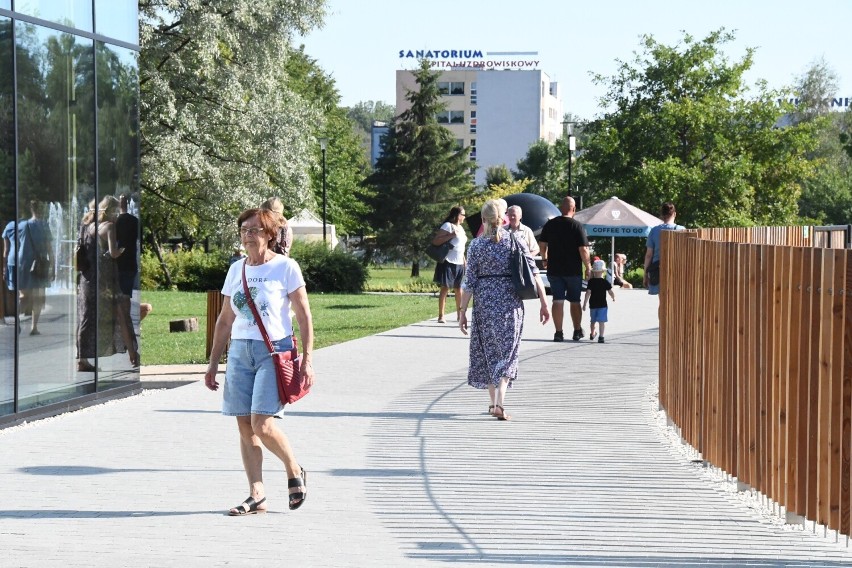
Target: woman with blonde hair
[(100, 329), (498, 312), (284, 238)]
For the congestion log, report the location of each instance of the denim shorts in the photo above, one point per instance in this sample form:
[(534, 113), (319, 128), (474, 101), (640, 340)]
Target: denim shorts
[(566, 288), (250, 383), (598, 314)]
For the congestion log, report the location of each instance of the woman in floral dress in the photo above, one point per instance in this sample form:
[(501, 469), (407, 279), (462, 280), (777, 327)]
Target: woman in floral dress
[(498, 312)]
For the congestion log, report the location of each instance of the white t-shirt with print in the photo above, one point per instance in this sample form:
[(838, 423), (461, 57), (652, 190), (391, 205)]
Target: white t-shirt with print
[(270, 285), (456, 255)]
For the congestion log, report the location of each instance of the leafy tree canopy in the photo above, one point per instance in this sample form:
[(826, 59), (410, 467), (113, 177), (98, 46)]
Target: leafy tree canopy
[(363, 113), (827, 195), (221, 129), (346, 165), (685, 128)]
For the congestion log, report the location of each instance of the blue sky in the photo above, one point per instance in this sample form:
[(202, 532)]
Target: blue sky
[(361, 39)]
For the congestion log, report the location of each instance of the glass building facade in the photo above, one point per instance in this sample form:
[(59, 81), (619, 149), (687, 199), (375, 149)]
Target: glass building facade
[(69, 151)]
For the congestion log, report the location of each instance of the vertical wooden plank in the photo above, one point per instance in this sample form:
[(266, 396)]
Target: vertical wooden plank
[(751, 363), (812, 332), (711, 331), (693, 354), (834, 299), (770, 285), (743, 400), (729, 370), (762, 455), (795, 401), (782, 288), (845, 469), (823, 322)]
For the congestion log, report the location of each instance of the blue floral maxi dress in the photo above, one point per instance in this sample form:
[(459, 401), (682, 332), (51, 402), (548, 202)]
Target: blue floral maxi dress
[(498, 313)]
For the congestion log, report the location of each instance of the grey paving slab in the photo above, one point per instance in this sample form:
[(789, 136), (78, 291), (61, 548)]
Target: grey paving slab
[(406, 469)]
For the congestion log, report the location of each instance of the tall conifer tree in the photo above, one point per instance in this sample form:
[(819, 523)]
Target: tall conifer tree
[(421, 174)]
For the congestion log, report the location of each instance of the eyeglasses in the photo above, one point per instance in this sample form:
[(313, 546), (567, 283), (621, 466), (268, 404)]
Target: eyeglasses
[(252, 231)]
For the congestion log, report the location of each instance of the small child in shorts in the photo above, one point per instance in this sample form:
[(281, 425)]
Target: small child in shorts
[(595, 298)]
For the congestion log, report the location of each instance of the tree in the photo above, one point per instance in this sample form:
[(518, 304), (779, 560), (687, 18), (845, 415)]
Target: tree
[(363, 113), (221, 131), (814, 90), (496, 175), (685, 128), (346, 165), (420, 175), (827, 195), (546, 165)]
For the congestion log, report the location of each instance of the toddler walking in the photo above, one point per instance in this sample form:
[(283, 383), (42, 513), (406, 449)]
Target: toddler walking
[(597, 290)]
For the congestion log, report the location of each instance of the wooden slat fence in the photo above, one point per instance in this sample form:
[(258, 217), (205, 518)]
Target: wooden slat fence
[(756, 360)]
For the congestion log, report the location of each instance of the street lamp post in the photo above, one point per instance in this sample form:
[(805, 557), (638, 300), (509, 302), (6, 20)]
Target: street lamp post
[(323, 145), (572, 145)]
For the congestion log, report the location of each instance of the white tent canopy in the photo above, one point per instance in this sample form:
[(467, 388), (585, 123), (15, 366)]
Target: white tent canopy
[(307, 227)]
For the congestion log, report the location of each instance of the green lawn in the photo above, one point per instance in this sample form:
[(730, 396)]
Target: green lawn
[(337, 318), (398, 279)]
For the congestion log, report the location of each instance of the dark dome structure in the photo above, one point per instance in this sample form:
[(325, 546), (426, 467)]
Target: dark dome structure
[(536, 212)]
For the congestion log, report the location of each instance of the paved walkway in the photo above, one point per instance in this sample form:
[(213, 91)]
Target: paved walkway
[(406, 469)]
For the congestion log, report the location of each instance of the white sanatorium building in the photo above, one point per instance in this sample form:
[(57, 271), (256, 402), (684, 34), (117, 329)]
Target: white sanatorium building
[(498, 113)]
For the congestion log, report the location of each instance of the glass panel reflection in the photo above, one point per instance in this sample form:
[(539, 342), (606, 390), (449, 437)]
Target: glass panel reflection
[(71, 13), (118, 19), (118, 178), (7, 220), (55, 165)]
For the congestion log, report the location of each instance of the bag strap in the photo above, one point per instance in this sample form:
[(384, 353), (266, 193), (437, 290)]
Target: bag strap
[(257, 319)]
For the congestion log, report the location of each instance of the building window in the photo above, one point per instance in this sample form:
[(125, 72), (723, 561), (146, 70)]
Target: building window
[(473, 93), (71, 13), (473, 122), (473, 149), (451, 87), (459, 143), (450, 117)]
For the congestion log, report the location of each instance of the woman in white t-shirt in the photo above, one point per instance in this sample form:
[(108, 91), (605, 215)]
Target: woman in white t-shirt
[(276, 285), (450, 273)]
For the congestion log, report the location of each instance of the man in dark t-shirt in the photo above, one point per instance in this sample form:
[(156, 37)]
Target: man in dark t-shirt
[(564, 252)]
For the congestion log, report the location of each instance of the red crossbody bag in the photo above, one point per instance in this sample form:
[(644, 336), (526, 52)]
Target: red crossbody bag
[(291, 387)]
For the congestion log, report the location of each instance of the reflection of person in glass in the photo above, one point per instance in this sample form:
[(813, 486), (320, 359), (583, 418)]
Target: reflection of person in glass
[(9, 258), (99, 330), (33, 240), (127, 234)]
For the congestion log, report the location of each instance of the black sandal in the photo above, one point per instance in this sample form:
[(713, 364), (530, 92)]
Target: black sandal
[(297, 498), (247, 507)]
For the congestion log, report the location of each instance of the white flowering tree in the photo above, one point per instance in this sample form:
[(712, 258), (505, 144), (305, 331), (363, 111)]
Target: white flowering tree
[(221, 130)]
